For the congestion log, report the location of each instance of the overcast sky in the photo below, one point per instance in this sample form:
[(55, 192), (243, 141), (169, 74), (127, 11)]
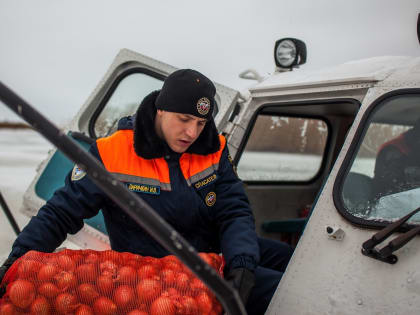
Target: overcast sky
[(54, 52)]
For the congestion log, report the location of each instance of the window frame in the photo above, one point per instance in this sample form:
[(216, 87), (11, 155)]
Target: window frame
[(351, 155), (114, 85), (285, 113)]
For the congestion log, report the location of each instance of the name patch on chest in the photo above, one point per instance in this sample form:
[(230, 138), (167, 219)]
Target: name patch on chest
[(205, 181), (143, 188)]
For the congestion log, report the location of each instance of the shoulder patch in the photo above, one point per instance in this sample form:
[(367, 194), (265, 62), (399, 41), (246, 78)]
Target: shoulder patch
[(210, 199), (77, 173)]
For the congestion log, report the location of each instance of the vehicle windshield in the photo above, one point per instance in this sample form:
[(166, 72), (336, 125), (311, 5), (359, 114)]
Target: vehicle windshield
[(383, 182), (124, 101)]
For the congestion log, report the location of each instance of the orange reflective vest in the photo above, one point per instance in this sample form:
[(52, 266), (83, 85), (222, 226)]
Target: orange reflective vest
[(119, 158)]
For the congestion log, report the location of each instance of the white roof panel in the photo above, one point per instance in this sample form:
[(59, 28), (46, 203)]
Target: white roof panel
[(360, 71)]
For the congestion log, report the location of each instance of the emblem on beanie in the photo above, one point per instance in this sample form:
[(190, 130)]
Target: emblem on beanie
[(203, 106)]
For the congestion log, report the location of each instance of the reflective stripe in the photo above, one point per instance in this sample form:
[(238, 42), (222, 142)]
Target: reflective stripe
[(207, 172), (142, 180), (164, 186), (195, 167)]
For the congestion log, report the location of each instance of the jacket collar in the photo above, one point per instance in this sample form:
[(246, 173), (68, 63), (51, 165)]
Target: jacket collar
[(148, 145)]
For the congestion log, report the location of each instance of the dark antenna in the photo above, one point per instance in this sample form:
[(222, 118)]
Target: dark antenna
[(418, 27), (9, 214)]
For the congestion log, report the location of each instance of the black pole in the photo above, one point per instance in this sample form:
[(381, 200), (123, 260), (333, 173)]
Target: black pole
[(132, 204), (418, 27), (9, 215)]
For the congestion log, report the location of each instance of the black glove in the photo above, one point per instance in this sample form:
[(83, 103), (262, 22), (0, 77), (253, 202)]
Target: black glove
[(3, 269), (243, 280)]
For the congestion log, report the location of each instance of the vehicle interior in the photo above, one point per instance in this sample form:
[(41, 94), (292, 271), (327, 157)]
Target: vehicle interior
[(299, 142)]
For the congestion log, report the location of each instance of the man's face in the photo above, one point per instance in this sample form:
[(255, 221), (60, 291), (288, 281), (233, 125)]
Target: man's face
[(178, 130)]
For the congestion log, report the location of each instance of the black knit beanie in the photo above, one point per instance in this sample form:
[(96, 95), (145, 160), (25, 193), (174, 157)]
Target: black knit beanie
[(189, 92)]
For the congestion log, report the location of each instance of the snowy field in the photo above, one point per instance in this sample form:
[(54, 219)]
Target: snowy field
[(274, 167), (21, 151)]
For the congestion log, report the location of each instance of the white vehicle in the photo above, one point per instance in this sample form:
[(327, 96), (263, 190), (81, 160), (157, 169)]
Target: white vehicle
[(301, 140)]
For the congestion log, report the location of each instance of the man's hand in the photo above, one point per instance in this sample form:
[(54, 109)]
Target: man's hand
[(3, 269), (243, 280)]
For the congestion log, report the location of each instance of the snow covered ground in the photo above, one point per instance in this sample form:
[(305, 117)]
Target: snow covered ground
[(271, 166), (21, 151)]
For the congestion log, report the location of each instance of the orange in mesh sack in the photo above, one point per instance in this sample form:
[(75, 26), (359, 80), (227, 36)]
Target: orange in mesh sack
[(85, 282)]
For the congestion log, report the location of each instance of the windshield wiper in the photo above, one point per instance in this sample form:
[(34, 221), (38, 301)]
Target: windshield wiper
[(385, 254)]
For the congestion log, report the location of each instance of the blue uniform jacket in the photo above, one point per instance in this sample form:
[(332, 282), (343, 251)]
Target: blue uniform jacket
[(227, 226)]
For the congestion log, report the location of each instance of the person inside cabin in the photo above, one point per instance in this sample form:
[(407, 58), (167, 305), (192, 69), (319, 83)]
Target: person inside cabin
[(397, 165), (170, 153)]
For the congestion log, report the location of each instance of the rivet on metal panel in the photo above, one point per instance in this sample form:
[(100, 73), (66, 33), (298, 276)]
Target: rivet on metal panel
[(335, 233)]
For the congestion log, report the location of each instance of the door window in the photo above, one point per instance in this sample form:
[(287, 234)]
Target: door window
[(282, 148), (124, 101), (383, 180)]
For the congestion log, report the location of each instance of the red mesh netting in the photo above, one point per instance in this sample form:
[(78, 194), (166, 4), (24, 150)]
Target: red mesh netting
[(85, 282)]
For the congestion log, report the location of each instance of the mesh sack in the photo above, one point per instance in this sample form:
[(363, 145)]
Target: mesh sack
[(85, 282)]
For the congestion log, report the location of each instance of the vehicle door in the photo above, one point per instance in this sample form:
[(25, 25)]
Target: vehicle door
[(285, 153), (342, 263)]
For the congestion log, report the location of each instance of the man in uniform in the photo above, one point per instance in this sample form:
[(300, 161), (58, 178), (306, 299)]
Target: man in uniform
[(170, 153)]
